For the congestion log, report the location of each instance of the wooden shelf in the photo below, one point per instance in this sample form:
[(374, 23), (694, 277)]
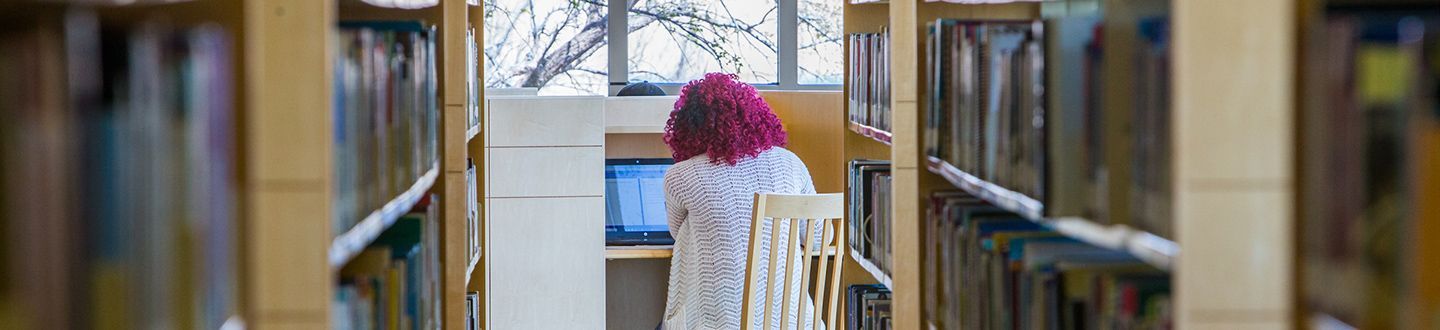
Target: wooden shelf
[(471, 133), (233, 323), (1322, 321), (349, 244), (1150, 248), (470, 268), (869, 2), (871, 132), (990, 192), (639, 252), (873, 269)]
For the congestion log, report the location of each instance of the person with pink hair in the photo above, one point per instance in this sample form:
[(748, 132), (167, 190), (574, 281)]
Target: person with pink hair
[(728, 146)]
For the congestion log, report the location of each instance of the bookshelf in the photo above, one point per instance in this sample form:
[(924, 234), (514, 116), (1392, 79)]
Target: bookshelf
[(349, 244), (284, 241), (878, 135), (874, 271), (1207, 181)]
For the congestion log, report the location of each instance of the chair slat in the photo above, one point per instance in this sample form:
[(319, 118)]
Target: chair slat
[(830, 206), (751, 280), (792, 242), (821, 285), (774, 273), (835, 286)]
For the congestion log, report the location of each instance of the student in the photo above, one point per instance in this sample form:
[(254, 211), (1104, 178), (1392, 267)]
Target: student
[(727, 147)]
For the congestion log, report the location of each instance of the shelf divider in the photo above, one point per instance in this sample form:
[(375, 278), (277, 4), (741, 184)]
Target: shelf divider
[(349, 244), (1149, 248), (872, 269), (874, 133)]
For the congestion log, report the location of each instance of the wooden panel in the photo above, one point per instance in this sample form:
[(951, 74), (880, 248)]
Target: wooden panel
[(1245, 251), (558, 171), (456, 255), (287, 131), (1233, 102), (809, 119), (452, 49), (635, 292), (452, 138), (288, 63), (547, 263), (636, 146), (287, 253), (1233, 118), (638, 114), (545, 121)]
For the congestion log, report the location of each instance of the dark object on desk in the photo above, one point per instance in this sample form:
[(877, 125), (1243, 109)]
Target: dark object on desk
[(644, 88), (635, 202)]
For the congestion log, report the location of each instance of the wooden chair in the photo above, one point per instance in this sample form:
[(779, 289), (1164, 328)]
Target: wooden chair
[(804, 211)]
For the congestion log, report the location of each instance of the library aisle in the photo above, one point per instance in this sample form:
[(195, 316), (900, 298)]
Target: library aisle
[(1006, 164)]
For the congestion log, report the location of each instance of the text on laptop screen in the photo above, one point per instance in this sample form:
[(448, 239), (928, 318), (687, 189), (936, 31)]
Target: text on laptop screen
[(635, 197)]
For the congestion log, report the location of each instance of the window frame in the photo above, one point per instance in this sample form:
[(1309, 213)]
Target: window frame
[(787, 69)]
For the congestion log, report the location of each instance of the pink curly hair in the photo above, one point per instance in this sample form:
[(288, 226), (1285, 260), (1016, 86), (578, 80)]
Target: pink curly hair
[(724, 118)]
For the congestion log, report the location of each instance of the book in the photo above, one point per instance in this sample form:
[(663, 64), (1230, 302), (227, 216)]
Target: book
[(868, 87), (386, 114), (985, 109), (395, 282), (870, 214), (1150, 169), (987, 268), (867, 307), (118, 191), (1368, 134)]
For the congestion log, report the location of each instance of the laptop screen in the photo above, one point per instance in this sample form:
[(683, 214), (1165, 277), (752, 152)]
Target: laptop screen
[(635, 195)]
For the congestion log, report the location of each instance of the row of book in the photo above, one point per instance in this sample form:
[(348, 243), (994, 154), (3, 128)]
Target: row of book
[(395, 282), (473, 84), (870, 217), (995, 110), (386, 114), (472, 311), (868, 307), (987, 268), (986, 113), (118, 191), (869, 87), (472, 214), (1150, 176), (1370, 148)]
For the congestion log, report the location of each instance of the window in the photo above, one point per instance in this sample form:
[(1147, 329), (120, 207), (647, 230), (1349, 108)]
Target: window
[(576, 47), (556, 45), (681, 40), (818, 39)]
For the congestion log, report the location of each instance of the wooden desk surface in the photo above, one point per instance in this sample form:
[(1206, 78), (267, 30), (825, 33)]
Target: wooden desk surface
[(649, 252), (639, 252)]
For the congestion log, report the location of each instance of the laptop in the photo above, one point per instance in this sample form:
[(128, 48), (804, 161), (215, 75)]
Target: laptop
[(635, 202)]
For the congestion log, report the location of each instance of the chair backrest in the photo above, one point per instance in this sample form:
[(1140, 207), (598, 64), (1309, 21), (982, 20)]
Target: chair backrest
[(805, 213)]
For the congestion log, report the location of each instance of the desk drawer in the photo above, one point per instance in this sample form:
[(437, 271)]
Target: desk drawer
[(545, 121), (547, 263), (545, 172)]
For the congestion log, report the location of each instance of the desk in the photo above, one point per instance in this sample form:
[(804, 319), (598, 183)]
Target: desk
[(639, 252), (651, 252)]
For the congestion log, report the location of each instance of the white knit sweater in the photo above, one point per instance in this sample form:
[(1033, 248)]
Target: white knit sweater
[(709, 211)]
